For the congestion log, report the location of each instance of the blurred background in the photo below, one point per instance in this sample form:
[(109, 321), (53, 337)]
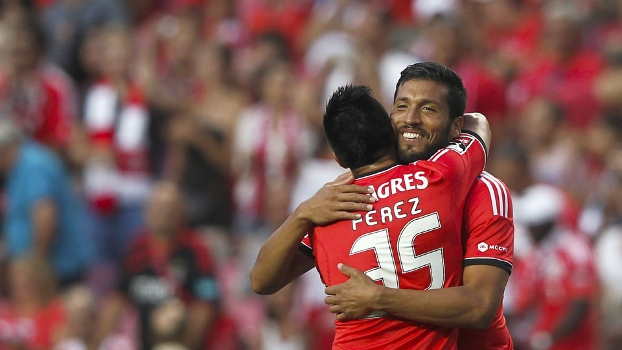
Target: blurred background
[(149, 147)]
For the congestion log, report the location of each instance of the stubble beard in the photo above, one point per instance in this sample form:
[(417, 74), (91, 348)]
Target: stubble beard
[(406, 154)]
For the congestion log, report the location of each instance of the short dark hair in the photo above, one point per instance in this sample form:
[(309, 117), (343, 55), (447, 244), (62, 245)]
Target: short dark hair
[(434, 71), (357, 126)]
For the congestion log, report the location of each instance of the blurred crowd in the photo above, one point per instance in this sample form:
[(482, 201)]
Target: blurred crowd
[(149, 147)]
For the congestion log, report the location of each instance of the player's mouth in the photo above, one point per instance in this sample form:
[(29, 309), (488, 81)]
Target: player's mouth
[(412, 136)]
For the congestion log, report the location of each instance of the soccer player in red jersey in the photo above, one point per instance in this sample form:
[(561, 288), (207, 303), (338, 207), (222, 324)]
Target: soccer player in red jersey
[(434, 263), (412, 239), (488, 234)]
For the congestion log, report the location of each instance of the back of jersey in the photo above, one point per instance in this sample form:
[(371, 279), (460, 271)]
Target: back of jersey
[(410, 240)]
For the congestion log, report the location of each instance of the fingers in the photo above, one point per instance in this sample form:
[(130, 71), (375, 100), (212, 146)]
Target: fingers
[(354, 198), (343, 179), (344, 215), (351, 189), (342, 317), (346, 270), (333, 306)]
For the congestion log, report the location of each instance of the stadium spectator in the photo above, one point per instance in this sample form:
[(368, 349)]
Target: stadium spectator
[(116, 177), (166, 262), (36, 94), (264, 166), (199, 148), (563, 69), (33, 317), (562, 269), (280, 328), (609, 257), (43, 216)]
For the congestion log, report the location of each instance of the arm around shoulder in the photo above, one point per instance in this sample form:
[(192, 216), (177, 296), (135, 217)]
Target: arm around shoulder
[(279, 260)]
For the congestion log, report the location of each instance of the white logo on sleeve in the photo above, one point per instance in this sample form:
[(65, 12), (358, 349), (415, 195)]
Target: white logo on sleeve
[(483, 246)]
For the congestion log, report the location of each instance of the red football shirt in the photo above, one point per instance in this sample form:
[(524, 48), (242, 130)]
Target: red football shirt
[(488, 236), (565, 272), (412, 239)]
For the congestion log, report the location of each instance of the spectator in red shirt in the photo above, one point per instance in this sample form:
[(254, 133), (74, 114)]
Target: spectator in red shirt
[(33, 317), (563, 70), (449, 45), (37, 94), (560, 283)]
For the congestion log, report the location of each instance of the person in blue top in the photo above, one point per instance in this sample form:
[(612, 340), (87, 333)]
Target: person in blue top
[(42, 215)]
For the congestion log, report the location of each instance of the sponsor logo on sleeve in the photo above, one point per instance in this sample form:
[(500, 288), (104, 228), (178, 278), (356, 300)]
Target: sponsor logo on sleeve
[(483, 246), (460, 144)]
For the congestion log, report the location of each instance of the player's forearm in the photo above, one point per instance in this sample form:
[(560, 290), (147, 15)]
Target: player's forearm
[(450, 307), (277, 263)]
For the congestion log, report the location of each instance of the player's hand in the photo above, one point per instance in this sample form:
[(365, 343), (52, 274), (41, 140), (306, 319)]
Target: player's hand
[(354, 298), (337, 200)]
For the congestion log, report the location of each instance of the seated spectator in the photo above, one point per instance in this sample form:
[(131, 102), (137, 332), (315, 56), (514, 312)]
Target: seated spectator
[(165, 262), (79, 305), (167, 323), (280, 329), (33, 317)]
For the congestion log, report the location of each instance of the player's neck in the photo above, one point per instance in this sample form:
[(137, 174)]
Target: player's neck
[(383, 162)]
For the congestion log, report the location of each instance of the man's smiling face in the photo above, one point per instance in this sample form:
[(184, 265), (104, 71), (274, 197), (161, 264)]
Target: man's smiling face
[(421, 117)]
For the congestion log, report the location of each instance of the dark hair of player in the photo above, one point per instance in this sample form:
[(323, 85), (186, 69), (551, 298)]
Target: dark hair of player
[(357, 126), (434, 71)]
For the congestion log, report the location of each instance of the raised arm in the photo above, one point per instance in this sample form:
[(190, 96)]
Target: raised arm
[(279, 260), (477, 123)]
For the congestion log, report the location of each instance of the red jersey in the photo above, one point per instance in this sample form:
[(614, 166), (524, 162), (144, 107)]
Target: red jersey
[(563, 271), (37, 331), (488, 238), (410, 240), (44, 107), (152, 274)]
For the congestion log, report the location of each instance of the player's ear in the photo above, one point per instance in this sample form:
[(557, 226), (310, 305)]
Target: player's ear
[(339, 161), (456, 127)]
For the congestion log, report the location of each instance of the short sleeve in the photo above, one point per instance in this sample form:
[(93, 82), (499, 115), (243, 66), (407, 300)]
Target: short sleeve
[(459, 163), (306, 246), (488, 227), (41, 181)]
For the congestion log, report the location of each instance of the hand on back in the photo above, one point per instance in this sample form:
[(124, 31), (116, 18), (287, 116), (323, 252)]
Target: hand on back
[(337, 200)]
